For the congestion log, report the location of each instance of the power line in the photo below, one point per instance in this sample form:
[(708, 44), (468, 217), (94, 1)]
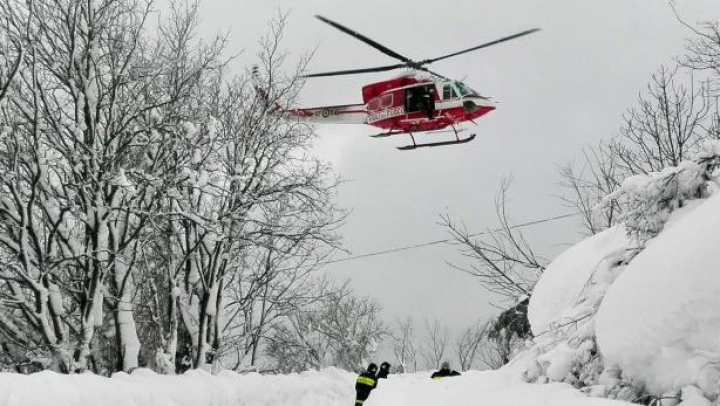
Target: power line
[(427, 244)]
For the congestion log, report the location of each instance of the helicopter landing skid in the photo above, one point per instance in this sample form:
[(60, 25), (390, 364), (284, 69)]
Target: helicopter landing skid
[(387, 134), (457, 140), (438, 144)]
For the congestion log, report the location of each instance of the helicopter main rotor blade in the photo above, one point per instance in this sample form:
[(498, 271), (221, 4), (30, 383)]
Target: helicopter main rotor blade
[(485, 45), (355, 71), (379, 47)]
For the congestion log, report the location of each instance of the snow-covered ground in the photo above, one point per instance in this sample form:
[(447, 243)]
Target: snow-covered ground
[(331, 387)]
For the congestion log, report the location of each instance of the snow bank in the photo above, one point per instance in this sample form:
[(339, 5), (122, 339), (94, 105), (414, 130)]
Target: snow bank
[(473, 388), (659, 321), (330, 387), (195, 388), (564, 283)]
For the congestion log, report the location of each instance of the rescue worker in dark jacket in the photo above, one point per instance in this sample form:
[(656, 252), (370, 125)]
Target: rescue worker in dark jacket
[(427, 102), (384, 370), (444, 371), (365, 383)]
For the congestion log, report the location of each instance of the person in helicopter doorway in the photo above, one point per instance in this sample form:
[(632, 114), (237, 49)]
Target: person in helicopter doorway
[(384, 370), (444, 371), (427, 100), (365, 383)]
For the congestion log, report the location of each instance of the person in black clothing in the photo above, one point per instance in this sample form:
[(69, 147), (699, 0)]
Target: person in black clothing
[(365, 383), (384, 370), (444, 371), (428, 102), (423, 100)]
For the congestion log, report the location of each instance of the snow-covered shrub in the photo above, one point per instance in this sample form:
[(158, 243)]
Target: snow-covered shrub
[(659, 322), (648, 200)]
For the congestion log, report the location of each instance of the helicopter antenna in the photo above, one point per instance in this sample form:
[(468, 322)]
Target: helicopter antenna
[(406, 62)]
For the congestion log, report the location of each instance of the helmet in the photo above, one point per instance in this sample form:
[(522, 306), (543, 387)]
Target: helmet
[(372, 368), (385, 365), (445, 365)]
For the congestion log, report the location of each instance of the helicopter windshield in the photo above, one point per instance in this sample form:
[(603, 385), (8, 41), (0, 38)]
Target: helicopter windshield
[(464, 90)]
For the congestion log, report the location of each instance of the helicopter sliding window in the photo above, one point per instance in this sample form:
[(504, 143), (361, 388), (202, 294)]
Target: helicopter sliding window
[(420, 98), (374, 104), (448, 92), (386, 101)]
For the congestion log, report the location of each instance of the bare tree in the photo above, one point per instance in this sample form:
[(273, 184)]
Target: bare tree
[(404, 349), (297, 345), (704, 48), (468, 344), (493, 354), (341, 330), (503, 261), (665, 126), (277, 281), (598, 176), (704, 56), (249, 180), (434, 344), (139, 180), (93, 98), (669, 122), (12, 49)]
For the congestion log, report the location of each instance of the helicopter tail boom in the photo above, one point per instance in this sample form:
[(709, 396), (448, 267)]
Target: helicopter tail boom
[(342, 114)]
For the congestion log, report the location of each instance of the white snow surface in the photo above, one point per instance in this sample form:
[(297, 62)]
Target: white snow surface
[(659, 322), (556, 294), (330, 387)]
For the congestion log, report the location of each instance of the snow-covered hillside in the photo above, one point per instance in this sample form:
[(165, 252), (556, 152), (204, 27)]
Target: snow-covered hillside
[(633, 312), (671, 336), (331, 387)]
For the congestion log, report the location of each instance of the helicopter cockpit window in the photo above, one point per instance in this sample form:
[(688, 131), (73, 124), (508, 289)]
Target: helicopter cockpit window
[(448, 91), (420, 98), (464, 90)]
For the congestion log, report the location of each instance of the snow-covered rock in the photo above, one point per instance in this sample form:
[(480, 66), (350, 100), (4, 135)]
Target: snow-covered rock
[(660, 320)]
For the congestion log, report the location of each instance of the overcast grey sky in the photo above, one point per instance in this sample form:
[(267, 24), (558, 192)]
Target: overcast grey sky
[(557, 91)]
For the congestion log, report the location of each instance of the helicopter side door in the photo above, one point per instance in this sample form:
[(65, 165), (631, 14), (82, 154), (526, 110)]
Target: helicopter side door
[(420, 99)]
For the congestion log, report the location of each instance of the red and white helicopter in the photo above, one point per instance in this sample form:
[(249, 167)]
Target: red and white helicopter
[(420, 101)]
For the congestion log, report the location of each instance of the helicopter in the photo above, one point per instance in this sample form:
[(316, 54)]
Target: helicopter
[(416, 101)]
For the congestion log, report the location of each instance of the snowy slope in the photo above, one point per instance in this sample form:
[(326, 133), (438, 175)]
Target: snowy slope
[(491, 388), (330, 387), (660, 320), (565, 282)]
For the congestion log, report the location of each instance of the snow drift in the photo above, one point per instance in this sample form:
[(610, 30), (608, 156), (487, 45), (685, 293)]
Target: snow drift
[(632, 312), (562, 286), (660, 321), (331, 387)]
